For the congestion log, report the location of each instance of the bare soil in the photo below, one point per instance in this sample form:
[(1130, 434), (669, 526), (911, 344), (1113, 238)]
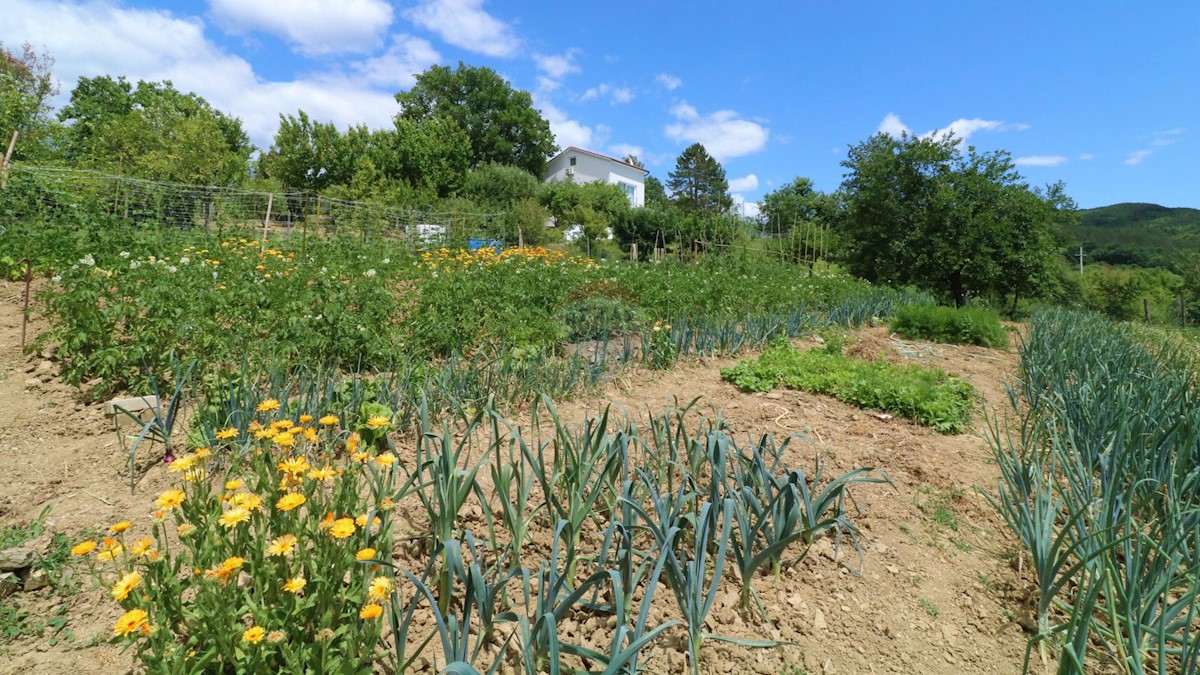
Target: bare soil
[(937, 591)]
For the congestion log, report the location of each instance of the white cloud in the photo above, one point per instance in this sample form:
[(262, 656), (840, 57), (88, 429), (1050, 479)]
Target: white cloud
[(743, 184), (668, 82), (311, 26), (546, 84), (722, 133), (558, 66), (97, 38), (962, 129), (1040, 160), (1137, 157), (1164, 138), (622, 150), (1087, 156), (892, 126), (616, 95), (745, 208), (464, 23), (399, 65), (566, 130)]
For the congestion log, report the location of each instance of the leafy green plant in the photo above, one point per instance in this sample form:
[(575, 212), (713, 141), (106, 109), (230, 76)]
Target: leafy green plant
[(929, 397), (967, 325)]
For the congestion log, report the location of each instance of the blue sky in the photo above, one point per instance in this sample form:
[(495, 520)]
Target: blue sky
[(1104, 95)]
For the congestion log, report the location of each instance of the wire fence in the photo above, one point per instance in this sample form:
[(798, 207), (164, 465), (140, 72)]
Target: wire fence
[(54, 195)]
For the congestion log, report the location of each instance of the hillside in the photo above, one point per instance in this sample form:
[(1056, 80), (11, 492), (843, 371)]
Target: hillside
[(1136, 234)]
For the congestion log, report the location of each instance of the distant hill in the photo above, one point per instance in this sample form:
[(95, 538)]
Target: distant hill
[(1136, 234)]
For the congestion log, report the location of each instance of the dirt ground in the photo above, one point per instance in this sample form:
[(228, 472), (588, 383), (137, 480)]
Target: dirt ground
[(937, 592)]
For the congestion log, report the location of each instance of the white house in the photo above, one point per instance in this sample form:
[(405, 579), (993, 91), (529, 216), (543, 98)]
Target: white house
[(585, 166)]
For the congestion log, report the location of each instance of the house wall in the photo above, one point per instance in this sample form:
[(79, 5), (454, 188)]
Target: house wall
[(589, 168)]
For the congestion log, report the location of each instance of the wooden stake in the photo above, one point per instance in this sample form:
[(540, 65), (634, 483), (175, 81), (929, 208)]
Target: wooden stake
[(12, 143), (267, 220)]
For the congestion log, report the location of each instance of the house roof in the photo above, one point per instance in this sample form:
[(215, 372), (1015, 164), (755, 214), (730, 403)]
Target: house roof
[(572, 148)]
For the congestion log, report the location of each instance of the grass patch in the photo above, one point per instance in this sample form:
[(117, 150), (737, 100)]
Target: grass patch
[(967, 326), (928, 397)]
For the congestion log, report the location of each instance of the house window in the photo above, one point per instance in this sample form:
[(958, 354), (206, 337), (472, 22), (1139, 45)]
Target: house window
[(572, 161), (630, 191)]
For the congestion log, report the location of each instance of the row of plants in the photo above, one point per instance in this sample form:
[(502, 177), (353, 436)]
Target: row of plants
[(1099, 458), (311, 537), (964, 325), (929, 397)]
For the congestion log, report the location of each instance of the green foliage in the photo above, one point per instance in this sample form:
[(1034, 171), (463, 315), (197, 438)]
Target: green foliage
[(500, 121), (1119, 292), (26, 87), (967, 325), (649, 227), (929, 397), (698, 183), (598, 317), (922, 211), (499, 186), (1145, 235), (796, 204)]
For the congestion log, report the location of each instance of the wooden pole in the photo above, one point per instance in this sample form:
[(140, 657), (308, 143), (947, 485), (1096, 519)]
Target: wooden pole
[(12, 143), (267, 220), (633, 253), (1182, 311), (1146, 309)]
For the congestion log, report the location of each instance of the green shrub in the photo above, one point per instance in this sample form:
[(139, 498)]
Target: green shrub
[(966, 326), (598, 317), (928, 397)]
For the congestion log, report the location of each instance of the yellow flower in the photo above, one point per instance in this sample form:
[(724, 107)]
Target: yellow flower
[(294, 465), (182, 464), (295, 584), (234, 516), (282, 545), (284, 440), (281, 425), (342, 528), (360, 456), (311, 435), (361, 521), (387, 504), (386, 459), (170, 499), (203, 453), (305, 419), (185, 529), (232, 563), (352, 442), (227, 434), (371, 611), (365, 554), (110, 552), (117, 528), (83, 548), (290, 501), (288, 481), (381, 587), (195, 476), (268, 405), (127, 583), (247, 500), (329, 420), (323, 474), (377, 421), (133, 620), (140, 547), (254, 634), (232, 485)]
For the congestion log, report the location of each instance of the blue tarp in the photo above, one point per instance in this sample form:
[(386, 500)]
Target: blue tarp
[(476, 244)]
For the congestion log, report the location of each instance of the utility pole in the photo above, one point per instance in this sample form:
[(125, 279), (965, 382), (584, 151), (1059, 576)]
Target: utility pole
[(1080, 256)]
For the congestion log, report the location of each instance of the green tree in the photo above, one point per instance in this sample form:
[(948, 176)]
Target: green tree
[(501, 122), (656, 193), (310, 155), (698, 183), (796, 203), (499, 186), (26, 87), (923, 211)]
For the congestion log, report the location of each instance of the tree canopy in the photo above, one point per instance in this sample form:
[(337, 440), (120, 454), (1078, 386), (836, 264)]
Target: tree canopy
[(925, 211), (26, 87), (500, 121), (698, 183)]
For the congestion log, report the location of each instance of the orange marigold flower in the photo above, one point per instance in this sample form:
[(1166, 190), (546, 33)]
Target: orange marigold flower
[(110, 552), (365, 554), (284, 440), (371, 611), (386, 459), (329, 420), (311, 435), (232, 485), (170, 499), (127, 583), (247, 500), (381, 587), (186, 529), (131, 621), (227, 433), (290, 501), (232, 563), (377, 421), (195, 476), (268, 405), (342, 528), (203, 453), (182, 464), (140, 547), (352, 442), (295, 584), (83, 548), (276, 636), (282, 545), (323, 474), (305, 419), (254, 634)]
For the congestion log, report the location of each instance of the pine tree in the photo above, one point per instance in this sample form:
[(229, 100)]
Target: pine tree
[(698, 183)]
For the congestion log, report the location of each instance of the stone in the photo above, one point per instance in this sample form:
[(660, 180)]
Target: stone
[(18, 558), (819, 621), (36, 581)]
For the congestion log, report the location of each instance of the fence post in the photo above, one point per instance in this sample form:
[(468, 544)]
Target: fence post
[(1146, 309), (12, 143), (267, 219), (633, 252), (1182, 311)]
